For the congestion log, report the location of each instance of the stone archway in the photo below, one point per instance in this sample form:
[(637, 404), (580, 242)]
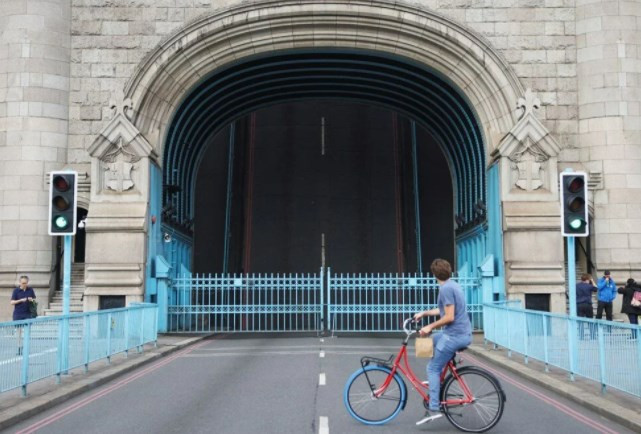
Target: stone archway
[(136, 136)]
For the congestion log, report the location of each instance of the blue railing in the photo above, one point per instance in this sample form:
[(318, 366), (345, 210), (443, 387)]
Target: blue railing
[(33, 349), (380, 302), (603, 351), (246, 302)]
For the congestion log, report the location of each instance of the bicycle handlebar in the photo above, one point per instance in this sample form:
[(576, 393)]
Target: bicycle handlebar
[(409, 332)]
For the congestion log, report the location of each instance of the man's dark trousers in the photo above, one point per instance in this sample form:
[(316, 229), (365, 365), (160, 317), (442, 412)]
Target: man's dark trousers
[(584, 310), (608, 310)]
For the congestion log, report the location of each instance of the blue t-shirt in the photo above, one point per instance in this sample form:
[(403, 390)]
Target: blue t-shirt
[(451, 293), (21, 310)]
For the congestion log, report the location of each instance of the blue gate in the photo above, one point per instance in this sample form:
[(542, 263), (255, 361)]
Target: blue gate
[(380, 302), (246, 303), (307, 302)]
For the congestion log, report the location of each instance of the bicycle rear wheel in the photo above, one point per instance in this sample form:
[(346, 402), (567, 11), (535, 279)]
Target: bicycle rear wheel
[(484, 411), (364, 406)]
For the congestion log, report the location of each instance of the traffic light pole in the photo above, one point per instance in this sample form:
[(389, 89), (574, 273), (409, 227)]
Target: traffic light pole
[(66, 296), (571, 275), (66, 276)]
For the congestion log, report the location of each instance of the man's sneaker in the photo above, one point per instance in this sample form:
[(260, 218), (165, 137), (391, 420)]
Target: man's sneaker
[(430, 415)]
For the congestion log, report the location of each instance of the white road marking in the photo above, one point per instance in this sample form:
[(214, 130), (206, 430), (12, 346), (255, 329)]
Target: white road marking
[(323, 425), (322, 354), (322, 340), (321, 379)]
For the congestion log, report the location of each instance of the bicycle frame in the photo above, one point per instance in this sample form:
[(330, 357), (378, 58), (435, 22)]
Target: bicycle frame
[(401, 364)]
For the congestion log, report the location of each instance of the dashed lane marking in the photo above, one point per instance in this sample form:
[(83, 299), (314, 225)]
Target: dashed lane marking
[(322, 380), (323, 427)]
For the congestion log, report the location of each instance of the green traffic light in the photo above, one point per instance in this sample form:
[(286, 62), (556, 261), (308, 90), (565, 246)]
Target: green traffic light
[(61, 222), (576, 223)]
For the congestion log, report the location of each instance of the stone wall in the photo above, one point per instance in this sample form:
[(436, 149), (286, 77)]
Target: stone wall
[(34, 109), (609, 72)]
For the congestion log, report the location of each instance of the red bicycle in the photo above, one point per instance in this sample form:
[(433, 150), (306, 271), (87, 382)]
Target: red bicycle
[(472, 399)]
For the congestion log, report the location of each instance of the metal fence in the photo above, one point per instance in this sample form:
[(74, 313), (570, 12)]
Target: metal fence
[(380, 302), (603, 351), (302, 302), (34, 349), (247, 302)]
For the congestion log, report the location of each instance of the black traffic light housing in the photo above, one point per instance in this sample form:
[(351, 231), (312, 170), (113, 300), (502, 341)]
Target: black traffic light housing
[(574, 204), (63, 193)]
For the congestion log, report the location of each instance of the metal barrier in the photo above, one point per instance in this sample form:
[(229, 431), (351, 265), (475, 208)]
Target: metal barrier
[(380, 302), (247, 302), (603, 351), (38, 348)]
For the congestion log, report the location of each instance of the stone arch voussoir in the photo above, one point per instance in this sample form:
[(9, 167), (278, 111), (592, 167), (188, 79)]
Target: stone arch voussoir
[(214, 40)]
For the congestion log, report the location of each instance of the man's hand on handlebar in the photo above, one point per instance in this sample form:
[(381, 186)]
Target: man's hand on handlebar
[(425, 331)]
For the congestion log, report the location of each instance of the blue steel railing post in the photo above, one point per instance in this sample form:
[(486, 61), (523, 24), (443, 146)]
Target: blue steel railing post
[(525, 337), (109, 338), (142, 329), (329, 299), (87, 334), (509, 335), (60, 350), (127, 333), (546, 357), (602, 370), (322, 300), (26, 350)]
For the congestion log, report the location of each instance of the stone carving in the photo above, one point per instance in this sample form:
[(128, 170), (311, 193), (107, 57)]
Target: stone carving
[(528, 103), (529, 155), (118, 165), (529, 163), (118, 154), (124, 108)]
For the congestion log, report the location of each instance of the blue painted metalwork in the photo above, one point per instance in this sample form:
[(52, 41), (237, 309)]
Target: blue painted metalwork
[(246, 303), (31, 350), (380, 302), (374, 78), (154, 233), (230, 177), (495, 230), (606, 352), (417, 209)]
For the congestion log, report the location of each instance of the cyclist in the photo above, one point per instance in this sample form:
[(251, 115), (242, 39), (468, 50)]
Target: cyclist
[(457, 331)]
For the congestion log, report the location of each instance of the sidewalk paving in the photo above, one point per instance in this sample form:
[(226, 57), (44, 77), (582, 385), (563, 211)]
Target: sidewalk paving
[(615, 405), (44, 394)]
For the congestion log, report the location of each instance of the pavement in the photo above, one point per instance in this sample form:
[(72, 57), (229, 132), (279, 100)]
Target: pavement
[(44, 394)]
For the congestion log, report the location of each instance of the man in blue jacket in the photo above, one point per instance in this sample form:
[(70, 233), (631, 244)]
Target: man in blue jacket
[(606, 294)]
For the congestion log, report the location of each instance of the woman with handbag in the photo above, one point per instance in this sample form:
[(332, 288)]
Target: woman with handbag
[(631, 302)]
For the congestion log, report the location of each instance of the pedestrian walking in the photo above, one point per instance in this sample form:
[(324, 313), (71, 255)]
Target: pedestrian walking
[(607, 292), (630, 307), (584, 308)]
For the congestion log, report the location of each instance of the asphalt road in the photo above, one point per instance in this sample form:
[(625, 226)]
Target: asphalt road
[(281, 385)]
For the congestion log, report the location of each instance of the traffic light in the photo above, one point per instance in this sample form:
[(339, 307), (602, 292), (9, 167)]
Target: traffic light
[(574, 204), (63, 191)]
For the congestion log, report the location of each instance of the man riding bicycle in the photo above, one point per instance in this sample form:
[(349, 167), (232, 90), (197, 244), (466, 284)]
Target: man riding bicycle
[(456, 335)]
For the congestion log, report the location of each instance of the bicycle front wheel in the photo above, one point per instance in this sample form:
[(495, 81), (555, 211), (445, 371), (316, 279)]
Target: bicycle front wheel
[(487, 405), (361, 401)]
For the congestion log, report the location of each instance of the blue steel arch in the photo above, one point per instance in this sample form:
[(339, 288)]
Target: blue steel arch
[(399, 84)]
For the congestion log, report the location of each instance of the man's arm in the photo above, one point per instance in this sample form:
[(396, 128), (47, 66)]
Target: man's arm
[(431, 312), (447, 318)]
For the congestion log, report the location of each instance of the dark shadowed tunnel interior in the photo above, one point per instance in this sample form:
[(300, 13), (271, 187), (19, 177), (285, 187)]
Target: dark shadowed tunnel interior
[(298, 185)]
